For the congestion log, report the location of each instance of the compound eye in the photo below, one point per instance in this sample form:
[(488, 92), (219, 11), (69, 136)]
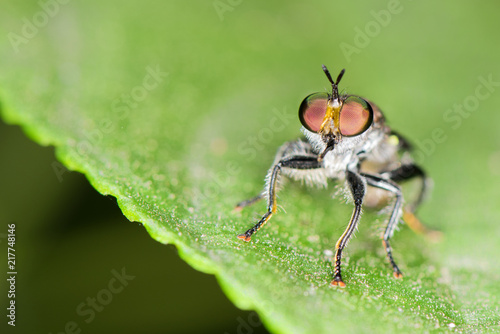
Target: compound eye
[(356, 116), (312, 111)]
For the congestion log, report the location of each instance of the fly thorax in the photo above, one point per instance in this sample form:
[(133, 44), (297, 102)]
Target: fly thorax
[(336, 163)]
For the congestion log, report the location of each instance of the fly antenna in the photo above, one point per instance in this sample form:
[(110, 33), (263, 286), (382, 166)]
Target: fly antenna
[(335, 89), (328, 74)]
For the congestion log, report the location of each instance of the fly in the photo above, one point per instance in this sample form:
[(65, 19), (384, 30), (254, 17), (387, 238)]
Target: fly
[(347, 140)]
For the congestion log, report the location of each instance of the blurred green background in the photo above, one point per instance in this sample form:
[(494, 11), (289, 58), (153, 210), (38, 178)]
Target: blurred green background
[(421, 62)]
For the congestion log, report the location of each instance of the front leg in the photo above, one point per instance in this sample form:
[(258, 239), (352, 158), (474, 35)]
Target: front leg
[(358, 189), (292, 162)]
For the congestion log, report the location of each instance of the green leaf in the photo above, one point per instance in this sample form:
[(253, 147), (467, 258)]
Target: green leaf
[(177, 108)]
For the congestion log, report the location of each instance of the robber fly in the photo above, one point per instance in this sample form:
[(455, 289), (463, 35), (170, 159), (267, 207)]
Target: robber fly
[(347, 140)]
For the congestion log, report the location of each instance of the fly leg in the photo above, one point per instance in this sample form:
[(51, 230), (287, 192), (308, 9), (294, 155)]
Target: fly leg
[(293, 148), (407, 172), (292, 162), (248, 202), (389, 185), (358, 189)]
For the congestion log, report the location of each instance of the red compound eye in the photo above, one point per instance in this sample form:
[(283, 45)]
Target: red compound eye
[(312, 111), (356, 116)]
